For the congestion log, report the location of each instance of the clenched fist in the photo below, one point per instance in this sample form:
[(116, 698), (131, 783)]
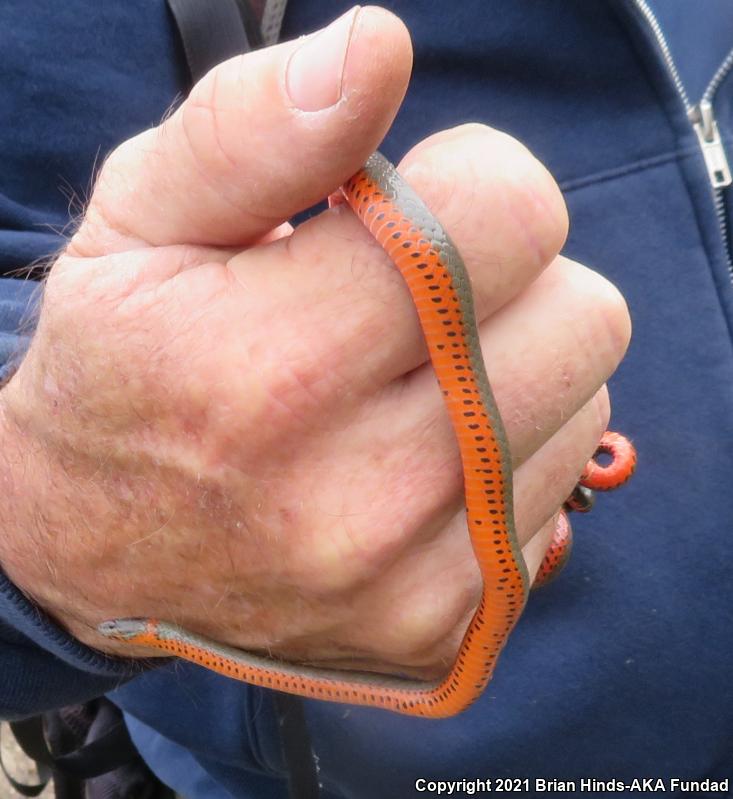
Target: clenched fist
[(235, 426)]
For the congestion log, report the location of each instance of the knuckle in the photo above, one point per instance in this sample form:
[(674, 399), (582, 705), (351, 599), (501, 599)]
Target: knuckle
[(350, 559), (613, 310), (297, 388), (203, 127), (118, 161), (57, 286), (530, 194), (474, 171), (602, 407), (608, 319), (103, 223), (61, 308), (602, 322), (421, 630)]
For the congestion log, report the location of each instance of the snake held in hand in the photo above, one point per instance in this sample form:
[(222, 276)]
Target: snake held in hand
[(441, 290)]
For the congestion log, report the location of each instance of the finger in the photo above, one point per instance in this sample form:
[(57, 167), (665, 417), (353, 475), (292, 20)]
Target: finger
[(280, 232), (499, 204), (544, 481), (443, 616), (547, 353), (536, 548), (550, 350), (446, 555), (113, 277), (261, 137), (433, 617), (540, 487), (342, 292), (424, 634)]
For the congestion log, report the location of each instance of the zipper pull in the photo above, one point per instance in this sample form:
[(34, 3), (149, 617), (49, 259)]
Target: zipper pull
[(706, 128)]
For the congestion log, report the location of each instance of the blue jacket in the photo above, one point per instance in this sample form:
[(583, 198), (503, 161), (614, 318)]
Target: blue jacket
[(621, 668)]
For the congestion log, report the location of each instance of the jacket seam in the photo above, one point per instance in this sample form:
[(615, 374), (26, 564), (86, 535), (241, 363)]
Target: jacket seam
[(605, 175)]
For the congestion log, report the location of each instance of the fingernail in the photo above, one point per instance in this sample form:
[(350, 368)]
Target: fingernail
[(315, 71)]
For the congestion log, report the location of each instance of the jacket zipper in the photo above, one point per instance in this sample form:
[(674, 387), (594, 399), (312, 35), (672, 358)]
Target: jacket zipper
[(703, 122)]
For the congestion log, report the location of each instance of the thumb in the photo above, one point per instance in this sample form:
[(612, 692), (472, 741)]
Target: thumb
[(261, 137)]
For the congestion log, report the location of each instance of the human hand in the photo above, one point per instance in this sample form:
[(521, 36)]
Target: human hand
[(246, 438)]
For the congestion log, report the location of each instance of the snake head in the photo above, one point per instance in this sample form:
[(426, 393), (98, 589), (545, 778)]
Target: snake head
[(122, 629)]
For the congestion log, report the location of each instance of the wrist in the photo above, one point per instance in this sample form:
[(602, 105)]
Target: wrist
[(29, 545), (55, 543), (20, 537)]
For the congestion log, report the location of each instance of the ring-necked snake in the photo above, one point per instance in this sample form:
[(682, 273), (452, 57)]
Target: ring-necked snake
[(441, 290)]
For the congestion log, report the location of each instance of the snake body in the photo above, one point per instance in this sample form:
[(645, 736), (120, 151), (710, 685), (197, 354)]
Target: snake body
[(441, 291)]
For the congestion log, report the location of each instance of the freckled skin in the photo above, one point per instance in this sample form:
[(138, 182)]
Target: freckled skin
[(440, 287)]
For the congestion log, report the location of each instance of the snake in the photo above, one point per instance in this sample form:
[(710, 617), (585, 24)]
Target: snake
[(440, 287)]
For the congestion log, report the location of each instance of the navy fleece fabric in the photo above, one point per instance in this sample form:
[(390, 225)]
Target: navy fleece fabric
[(621, 668), (699, 38)]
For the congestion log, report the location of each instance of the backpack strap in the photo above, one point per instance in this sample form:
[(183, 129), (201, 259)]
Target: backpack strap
[(212, 32), (272, 20), (77, 744), (296, 747), (44, 772), (110, 751)]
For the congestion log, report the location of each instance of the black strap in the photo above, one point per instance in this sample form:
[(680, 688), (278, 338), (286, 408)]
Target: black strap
[(212, 31), (25, 789), (107, 753), (272, 20), (296, 747)]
